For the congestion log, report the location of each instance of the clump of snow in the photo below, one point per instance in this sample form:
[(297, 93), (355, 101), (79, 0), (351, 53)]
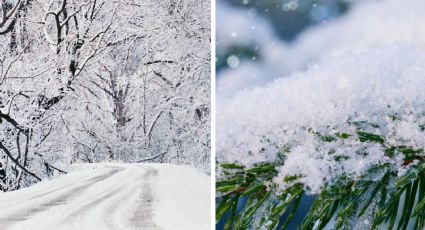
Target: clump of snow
[(378, 89)]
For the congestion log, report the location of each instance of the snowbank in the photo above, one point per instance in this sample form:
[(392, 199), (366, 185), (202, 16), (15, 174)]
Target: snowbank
[(185, 196), (380, 86)]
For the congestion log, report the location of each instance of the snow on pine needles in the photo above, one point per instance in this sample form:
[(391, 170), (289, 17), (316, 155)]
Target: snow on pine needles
[(342, 116)]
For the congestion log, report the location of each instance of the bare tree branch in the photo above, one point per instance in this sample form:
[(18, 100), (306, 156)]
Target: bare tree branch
[(6, 151)]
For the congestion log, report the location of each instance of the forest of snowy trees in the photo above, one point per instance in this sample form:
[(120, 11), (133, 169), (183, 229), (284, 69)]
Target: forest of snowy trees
[(99, 81)]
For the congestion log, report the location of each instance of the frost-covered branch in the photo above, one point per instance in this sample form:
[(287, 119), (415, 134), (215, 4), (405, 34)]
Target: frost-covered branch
[(16, 162)]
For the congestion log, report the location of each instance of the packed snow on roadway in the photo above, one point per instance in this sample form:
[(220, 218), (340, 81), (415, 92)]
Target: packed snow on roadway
[(112, 196)]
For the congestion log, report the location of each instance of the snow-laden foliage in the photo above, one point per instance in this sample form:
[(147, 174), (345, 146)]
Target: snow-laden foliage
[(91, 81), (153, 101), (350, 128), (316, 119), (344, 123)]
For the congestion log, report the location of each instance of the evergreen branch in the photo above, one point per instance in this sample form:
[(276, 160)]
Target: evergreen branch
[(381, 194)]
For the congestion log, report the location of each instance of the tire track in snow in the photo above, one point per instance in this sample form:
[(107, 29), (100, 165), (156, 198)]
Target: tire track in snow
[(89, 181), (122, 198), (139, 186), (62, 199), (122, 202), (84, 210), (143, 217), (101, 199)]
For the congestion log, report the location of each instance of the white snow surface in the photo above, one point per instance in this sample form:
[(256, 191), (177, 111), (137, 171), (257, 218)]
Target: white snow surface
[(370, 23), (112, 196), (368, 84)]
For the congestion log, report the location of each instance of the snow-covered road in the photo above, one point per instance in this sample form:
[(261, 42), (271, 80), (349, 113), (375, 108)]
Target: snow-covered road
[(112, 196)]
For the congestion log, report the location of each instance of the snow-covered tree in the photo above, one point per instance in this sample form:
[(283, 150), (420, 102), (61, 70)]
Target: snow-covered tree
[(96, 80), (47, 46), (151, 97)]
